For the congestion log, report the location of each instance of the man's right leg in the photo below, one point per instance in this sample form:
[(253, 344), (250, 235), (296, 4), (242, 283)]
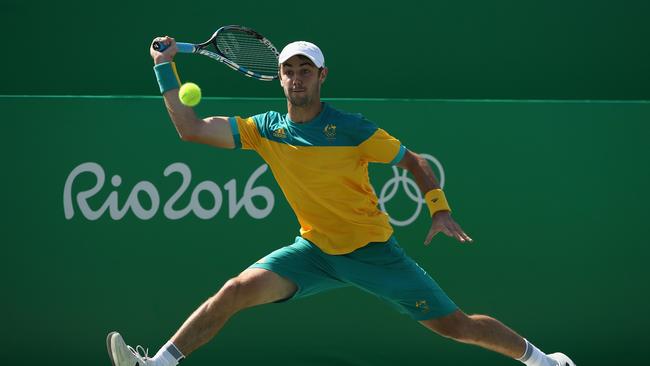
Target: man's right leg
[(254, 286)]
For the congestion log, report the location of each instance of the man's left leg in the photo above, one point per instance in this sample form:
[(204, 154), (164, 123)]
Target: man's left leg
[(480, 330), (491, 334), (385, 270)]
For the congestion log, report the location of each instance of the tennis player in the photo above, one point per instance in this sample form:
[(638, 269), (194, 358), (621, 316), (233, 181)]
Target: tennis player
[(319, 156)]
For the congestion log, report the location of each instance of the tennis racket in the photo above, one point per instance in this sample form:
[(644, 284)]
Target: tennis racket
[(240, 48)]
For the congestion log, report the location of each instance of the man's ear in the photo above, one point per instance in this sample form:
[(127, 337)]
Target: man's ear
[(323, 74)]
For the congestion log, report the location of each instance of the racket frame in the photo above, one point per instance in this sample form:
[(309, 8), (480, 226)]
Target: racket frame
[(200, 48)]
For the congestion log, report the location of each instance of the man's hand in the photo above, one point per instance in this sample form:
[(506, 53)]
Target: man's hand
[(442, 221), (168, 54)]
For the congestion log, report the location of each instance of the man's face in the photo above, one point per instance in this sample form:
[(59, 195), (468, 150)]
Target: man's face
[(301, 80)]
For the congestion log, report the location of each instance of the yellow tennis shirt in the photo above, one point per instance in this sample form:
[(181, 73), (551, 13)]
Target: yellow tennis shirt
[(322, 168)]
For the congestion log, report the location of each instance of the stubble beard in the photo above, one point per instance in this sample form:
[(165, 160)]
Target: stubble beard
[(299, 101)]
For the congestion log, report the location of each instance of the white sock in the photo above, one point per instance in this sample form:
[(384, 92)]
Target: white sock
[(168, 355), (534, 357)]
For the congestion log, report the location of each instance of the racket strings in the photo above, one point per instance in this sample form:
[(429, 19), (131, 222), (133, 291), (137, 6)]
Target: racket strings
[(253, 58), (272, 70), (249, 52), (252, 63)]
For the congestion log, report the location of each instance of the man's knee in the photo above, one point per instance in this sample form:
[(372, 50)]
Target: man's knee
[(229, 296), (254, 287), (455, 326)]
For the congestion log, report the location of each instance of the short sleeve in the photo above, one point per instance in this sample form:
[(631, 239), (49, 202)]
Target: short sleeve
[(381, 147), (244, 133)]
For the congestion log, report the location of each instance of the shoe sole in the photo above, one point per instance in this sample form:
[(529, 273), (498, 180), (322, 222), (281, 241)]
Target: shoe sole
[(109, 348)]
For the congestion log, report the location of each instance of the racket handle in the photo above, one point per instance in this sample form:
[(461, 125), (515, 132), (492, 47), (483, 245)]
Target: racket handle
[(182, 47)]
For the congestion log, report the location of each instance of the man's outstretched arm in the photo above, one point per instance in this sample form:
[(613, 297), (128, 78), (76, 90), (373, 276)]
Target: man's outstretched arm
[(213, 131), (441, 221)]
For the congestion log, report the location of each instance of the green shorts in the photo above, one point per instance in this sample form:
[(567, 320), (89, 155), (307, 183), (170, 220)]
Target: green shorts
[(382, 269)]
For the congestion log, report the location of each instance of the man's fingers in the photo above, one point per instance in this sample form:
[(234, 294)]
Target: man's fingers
[(430, 235), (467, 238), (449, 228), (457, 235), (460, 234)]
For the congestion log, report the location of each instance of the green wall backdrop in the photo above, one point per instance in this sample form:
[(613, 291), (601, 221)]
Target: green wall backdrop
[(537, 113), (554, 194), (502, 49)]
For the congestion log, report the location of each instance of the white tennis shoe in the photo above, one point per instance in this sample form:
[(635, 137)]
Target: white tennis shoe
[(123, 355), (562, 359)]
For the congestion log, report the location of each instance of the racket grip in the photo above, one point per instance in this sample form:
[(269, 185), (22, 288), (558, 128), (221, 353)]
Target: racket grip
[(182, 47)]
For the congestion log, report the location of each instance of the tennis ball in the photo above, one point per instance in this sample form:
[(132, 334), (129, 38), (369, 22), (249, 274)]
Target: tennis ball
[(189, 94)]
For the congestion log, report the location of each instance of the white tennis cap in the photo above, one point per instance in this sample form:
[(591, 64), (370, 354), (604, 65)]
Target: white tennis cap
[(304, 48)]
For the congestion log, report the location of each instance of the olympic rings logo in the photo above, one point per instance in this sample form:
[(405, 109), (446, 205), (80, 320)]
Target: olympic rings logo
[(411, 189)]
